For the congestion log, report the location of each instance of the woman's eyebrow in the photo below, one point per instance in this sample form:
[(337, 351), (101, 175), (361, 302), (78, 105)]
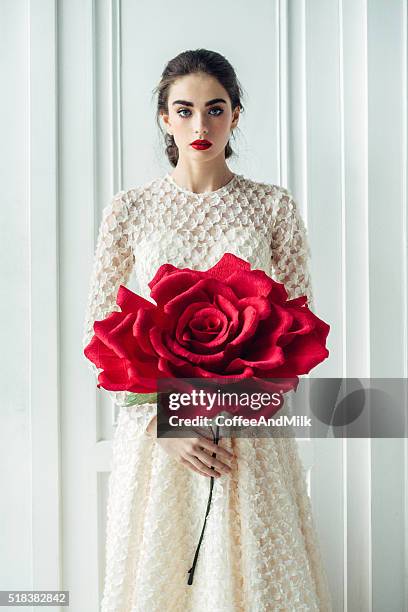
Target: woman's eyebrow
[(186, 103)]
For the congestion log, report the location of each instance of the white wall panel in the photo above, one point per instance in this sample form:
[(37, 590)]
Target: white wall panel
[(387, 223), (15, 457), (325, 115), (79, 218), (43, 298)]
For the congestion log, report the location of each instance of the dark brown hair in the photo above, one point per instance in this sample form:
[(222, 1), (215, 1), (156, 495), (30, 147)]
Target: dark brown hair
[(189, 62)]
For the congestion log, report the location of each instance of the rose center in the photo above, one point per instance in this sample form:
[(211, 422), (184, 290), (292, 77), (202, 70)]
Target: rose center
[(206, 323)]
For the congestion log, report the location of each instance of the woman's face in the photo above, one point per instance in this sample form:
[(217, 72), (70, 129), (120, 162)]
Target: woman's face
[(199, 108)]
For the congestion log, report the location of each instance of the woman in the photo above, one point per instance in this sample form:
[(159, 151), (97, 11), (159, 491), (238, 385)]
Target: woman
[(260, 551)]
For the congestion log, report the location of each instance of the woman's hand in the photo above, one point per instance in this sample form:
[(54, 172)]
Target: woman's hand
[(195, 453)]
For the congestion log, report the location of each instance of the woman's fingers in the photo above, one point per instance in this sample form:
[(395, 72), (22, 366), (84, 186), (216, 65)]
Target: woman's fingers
[(195, 454), (202, 467), (214, 448), (193, 467), (212, 461)]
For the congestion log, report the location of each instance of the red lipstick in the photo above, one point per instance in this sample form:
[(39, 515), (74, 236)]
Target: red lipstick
[(200, 145)]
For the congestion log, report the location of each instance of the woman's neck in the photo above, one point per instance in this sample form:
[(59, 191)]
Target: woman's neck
[(201, 179)]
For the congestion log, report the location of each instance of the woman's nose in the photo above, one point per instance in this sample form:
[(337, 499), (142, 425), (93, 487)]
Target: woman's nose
[(201, 128)]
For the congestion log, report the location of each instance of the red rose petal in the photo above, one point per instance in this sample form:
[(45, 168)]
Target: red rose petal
[(162, 271), (141, 326), (168, 286), (158, 345), (250, 322), (304, 353), (228, 263), (278, 294), (204, 290), (261, 304), (212, 359), (131, 302), (117, 334), (195, 371), (246, 283), (121, 374), (303, 323), (265, 359)]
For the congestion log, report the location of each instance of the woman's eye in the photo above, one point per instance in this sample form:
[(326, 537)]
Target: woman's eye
[(219, 111), (182, 110)]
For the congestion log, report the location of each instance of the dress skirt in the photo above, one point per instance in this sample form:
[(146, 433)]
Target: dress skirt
[(260, 551)]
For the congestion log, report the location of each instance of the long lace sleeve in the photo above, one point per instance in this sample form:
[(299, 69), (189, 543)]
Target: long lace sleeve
[(112, 266), (290, 249)]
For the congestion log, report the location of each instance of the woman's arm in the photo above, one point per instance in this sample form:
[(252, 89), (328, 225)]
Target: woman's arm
[(113, 263), (290, 249)]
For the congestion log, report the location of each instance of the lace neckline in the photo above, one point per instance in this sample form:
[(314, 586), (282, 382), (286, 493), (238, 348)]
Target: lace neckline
[(224, 189)]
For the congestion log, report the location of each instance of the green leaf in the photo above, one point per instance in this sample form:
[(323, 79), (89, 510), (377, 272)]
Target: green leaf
[(140, 398)]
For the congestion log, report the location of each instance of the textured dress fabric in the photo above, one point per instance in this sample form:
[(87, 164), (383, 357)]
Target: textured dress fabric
[(260, 550)]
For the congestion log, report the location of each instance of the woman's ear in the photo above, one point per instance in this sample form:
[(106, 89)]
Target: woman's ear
[(166, 121), (235, 117)]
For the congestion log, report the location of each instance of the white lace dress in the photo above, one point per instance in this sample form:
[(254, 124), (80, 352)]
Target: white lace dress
[(260, 551)]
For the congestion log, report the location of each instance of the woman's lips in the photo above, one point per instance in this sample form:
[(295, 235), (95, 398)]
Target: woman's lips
[(201, 144)]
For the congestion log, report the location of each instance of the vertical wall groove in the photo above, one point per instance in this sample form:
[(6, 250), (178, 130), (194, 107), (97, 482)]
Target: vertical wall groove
[(117, 140), (404, 257), (282, 93), (344, 290)]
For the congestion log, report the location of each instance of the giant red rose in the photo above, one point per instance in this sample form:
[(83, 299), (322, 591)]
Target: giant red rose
[(228, 322)]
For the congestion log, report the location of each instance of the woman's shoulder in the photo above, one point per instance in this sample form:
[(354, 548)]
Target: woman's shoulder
[(263, 188), (132, 194), (271, 197), (275, 202), (132, 200)]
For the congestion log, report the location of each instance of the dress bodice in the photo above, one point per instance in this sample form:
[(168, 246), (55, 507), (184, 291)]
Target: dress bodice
[(161, 222), (177, 226)]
